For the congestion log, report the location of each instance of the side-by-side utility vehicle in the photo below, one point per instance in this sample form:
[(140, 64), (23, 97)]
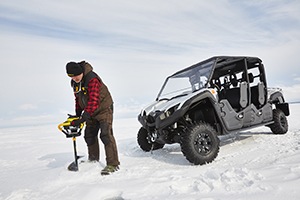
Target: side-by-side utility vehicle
[(217, 96)]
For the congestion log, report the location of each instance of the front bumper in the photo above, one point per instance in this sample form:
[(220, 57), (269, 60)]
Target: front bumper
[(154, 120)]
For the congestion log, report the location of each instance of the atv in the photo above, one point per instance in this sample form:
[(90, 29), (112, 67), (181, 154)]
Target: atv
[(217, 96)]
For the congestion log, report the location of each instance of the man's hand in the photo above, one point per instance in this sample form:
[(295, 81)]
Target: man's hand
[(81, 120), (77, 122), (71, 116)]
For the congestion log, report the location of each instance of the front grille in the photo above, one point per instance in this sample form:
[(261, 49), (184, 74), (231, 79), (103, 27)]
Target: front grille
[(150, 119)]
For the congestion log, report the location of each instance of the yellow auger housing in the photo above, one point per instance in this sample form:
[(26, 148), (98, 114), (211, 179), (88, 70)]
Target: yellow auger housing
[(72, 132), (68, 129)]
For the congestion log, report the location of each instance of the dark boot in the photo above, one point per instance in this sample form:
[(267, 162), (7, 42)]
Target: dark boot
[(93, 151)]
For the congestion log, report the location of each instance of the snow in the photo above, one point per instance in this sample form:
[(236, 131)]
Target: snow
[(254, 164)]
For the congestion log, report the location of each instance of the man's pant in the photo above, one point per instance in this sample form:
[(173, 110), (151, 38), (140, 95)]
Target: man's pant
[(102, 122)]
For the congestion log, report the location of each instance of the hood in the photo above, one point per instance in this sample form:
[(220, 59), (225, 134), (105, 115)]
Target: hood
[(163, 105), (86, 67)]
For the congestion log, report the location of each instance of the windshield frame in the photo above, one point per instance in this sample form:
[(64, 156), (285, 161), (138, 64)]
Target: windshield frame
[(194, 74)]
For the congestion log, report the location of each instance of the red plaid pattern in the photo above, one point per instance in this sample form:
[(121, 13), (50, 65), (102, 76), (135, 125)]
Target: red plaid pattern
[(94, 97)]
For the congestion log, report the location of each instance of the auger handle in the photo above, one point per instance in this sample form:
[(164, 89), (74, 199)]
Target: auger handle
[(67, 123)]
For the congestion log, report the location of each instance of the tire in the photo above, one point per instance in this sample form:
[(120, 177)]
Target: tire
[(280, 125), (144, 142), (200, 145)]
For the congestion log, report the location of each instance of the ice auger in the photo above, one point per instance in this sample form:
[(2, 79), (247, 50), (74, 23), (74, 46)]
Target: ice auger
[(72, 132)]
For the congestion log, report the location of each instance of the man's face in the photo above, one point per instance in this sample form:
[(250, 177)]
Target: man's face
[(78, 78)]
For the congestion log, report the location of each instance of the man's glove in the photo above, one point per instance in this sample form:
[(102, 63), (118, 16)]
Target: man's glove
[(71, 116), (77, 122), (82, 119), (78, 112)]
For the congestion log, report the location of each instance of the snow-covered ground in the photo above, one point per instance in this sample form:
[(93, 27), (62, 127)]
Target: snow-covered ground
[(251, 165)]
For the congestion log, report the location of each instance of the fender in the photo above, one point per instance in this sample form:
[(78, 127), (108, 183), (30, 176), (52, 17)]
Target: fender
[(276, 97), (208, 96)]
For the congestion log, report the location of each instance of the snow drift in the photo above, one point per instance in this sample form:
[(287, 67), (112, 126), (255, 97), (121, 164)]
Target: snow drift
[(255, 164)]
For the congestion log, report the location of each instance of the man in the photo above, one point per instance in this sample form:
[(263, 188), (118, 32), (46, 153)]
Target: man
[(94, 105)]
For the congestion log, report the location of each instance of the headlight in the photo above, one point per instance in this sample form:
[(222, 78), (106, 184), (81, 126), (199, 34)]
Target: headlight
[(168, 112), (162, 116)]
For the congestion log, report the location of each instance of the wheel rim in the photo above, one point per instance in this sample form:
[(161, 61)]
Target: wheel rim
[(282, 122), (203, 143)]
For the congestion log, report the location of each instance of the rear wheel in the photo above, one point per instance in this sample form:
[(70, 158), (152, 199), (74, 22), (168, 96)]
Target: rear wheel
[(200, 145), (280, 125), (144, 141)]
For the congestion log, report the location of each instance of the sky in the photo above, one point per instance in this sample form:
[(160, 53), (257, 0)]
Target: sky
[(133, 46)]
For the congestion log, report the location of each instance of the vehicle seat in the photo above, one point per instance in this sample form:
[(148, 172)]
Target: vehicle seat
[(233, 97), (258, 94), (237, 97)]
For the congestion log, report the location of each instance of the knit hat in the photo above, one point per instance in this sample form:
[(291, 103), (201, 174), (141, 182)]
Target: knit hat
[(73, 69)]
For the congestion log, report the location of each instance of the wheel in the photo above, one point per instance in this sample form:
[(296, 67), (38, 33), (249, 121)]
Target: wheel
[(280, 125), (144, 142), (200, 145)]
